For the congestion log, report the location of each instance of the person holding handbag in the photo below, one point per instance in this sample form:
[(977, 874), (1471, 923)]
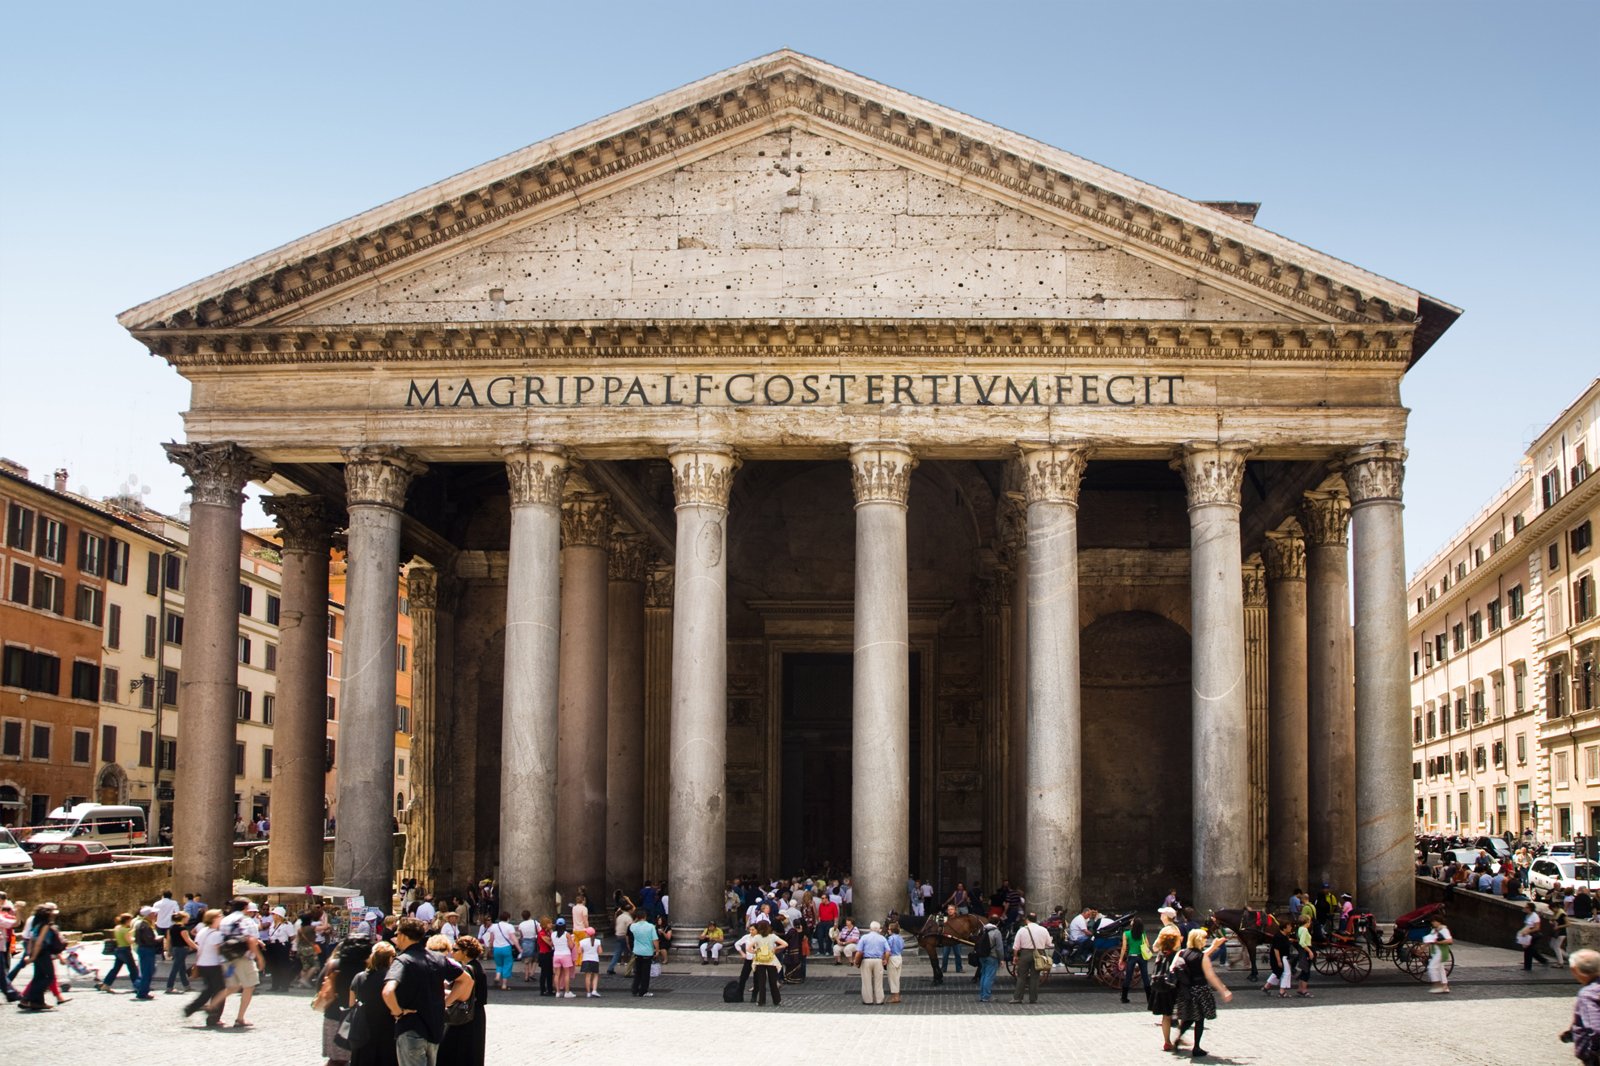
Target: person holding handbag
[(1134, 952), (501, 937), (1198, 989), (371, 1026), (1031, 949), (1164, 986)]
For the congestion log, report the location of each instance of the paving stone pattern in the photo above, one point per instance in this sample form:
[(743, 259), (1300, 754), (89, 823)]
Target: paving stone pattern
[(1495, 1015)]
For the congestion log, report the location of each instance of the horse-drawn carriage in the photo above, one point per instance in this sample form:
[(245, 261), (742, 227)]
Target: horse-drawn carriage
[(1096, 959), (1347, 953)]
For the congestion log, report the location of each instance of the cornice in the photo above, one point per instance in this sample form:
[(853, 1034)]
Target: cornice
[(758, 98), (668, 339)]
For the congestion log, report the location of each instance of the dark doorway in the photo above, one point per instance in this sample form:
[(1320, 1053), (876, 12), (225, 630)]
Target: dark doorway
[(816, 741), (815, 821)]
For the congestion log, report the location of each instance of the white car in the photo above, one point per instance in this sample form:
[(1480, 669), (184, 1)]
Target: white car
[(1569, 874), (13, 860)]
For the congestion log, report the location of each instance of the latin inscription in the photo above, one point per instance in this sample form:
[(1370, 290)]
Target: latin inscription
[(799, 390)]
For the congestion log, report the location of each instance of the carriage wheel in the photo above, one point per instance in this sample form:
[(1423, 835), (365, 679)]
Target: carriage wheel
[(1413, 959), (1106, 970), (1326, 959), (1355, 966), (1011, 966)]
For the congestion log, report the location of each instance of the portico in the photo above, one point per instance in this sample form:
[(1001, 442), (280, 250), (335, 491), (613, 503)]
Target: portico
[(786, 363)]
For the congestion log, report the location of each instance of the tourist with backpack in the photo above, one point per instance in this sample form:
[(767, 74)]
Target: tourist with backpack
[(986, 956), (1163, 982), (765, 948)]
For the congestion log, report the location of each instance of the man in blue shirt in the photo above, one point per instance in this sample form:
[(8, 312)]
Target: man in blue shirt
[(644, 937), (893, 960), (988, 952), (874, 946)]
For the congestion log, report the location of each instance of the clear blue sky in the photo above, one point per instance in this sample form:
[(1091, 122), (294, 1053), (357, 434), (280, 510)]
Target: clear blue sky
[(1451, 146)]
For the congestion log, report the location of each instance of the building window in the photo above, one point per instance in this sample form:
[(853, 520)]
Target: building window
[(1476, 624), (1480, 758), (169, 754), (241, 704), (1522, 749), (1480, 710), (1416, 663), (333, 709), (1591, 763), (1416, 729), (270, 658), (82, 746), (110, 685), (152, 574), (330, 664), (174, 632), (1458, 638), (1514, 602), (1432, 730), (247, 597), (174, 573), (49, 593), (1461, 762), (329, 751), (1583, 678), (36, 671), (405, 606), (90, 605), (91, 554), (1427, 654), (85, 681), (11, 738), (52, 540), (238, 759), (40, 748), (1550, 488), (1441, 649), (1581, 538), (1558, 769), (402, 718), (1461, 570), (169, 689), (118, 560), (269, 704), (1499, 681), (113, 627), (147, 692), (150, 627), (1416, 771), (274, 607), (1519, 686), (333, 627), (1555, 689), (1499, 753), (244, 649), (400, 658), (1564, 822), (1554, 553), (19, 527), (1461, 712), (266, 764), (21, 583), (1583, 607), (1494, 615), (146, 747)]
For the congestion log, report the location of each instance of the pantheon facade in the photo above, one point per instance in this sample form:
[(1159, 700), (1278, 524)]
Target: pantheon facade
[(792, 471)]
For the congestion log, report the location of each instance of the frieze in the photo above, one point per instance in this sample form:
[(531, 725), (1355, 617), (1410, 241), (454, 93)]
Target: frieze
[(305, 523), (770, 96), (1284, 553), (217, 472), (585, 520), (379, 475), (880, 472), (1325, 517), (1375, 473), (702, 474), (1052, 473), (1213, 473), (537, 473)]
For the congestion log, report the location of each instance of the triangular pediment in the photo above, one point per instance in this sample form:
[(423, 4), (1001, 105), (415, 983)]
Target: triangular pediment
[(1039, 232), (789, 224)]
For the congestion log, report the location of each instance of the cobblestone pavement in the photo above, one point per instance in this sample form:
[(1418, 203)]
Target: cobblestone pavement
[(1495, 1015)]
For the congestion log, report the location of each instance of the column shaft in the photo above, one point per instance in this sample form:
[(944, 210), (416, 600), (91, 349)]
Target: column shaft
[(424, 857), (1285, 556), (697, 813), (1054, 713), (657, 719), (300, 730), (625, 715), (581, 770), (528, 725), (1221, 786), (1384, 822), (1257, 702), (1015, 845), (202, 853), (1330, 708), (880, 749), (376, 480)]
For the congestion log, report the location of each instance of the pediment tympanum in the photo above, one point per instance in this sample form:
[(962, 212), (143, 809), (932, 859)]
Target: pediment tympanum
[(789, 224)]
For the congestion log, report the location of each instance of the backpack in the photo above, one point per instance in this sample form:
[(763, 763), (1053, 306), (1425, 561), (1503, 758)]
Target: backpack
[(1164, 977), (985, 945), (764, 953), (730, 993)]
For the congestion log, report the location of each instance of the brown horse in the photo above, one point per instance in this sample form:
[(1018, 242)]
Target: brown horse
[(962, 931), (1251, 935)]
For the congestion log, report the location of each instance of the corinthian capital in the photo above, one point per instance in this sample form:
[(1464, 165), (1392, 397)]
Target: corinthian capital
[(658, 586), (702, 474), (1375, 472), (880, 472), (305, 523), (629, 557), (1052, 473), (1254, 576), (217, 472), (585, 520), (1325, 516), (1213, 473), (379, 475), (537, 473), (1284, 552), (422, 588)]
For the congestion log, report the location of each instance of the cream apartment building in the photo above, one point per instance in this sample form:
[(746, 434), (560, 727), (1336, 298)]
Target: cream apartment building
[(1566, 631)]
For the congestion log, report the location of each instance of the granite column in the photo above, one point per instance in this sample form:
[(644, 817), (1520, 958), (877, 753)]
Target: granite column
[(702, 475), (528, 724), (300, 730), (203, 816), (1330, 707), (1285, 556), (1051, 476), (1213, 474), (376, 480), (1384, 820), (880, 749), (581, 717), (424, 857), (624, 769)]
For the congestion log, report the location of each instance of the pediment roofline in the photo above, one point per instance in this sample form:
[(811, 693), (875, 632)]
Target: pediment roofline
[(774, 92)]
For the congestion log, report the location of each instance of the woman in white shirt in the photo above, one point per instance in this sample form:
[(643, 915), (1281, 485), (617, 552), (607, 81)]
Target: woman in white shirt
[(501, 940), (561, 959), (590, 950), (207, 960)]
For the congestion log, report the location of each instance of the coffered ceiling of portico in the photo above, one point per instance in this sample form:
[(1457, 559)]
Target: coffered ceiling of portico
[(788, 188)]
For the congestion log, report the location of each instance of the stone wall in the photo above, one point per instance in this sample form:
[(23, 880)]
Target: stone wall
[(1473, 916)]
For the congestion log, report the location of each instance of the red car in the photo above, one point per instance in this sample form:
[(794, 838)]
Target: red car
[(70, 853)]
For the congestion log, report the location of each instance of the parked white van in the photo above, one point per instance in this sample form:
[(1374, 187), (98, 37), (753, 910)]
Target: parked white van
[(115, 827), (13, 860)]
